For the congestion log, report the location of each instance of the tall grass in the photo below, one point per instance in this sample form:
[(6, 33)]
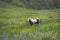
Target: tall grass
[(14, 25)]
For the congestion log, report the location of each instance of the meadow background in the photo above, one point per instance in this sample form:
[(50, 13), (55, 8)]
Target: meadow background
[(14, 25)]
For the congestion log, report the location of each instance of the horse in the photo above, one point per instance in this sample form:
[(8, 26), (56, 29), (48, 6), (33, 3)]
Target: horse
[(34, 21)]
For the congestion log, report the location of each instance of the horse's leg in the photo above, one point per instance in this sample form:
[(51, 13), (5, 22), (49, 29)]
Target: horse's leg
[(31, 23), (40, 21)]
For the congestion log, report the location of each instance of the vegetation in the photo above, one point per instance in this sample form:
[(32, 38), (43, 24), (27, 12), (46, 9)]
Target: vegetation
[(14, 25), (36, 4)]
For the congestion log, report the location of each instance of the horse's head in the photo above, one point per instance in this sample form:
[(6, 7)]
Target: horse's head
[(38, 20)]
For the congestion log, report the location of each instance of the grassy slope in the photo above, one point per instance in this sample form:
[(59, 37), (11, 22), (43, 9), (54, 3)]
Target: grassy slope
[(13, 26)]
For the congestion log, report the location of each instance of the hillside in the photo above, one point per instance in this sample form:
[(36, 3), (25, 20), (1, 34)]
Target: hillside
[(14, 25), (35, 4)]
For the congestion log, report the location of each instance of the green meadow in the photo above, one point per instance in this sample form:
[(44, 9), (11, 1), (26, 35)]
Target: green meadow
[(14, 25)]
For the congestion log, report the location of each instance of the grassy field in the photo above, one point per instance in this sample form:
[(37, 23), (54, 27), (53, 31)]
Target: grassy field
[(14, 25)]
